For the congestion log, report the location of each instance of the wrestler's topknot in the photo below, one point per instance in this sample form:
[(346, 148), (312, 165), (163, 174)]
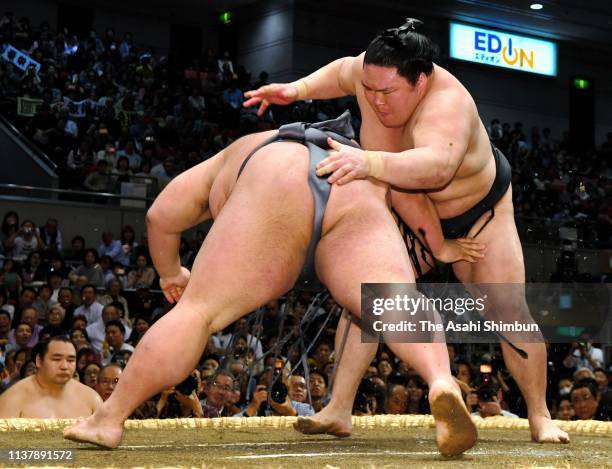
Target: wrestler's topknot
[(411, 52)]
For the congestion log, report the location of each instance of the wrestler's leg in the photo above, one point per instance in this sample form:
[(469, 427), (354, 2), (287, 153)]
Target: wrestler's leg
[(252, 254), (335, 418), (503, 263), (364, 246)]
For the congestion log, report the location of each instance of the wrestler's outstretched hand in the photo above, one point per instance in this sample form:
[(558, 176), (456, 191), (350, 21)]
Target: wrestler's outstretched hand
[(461, 249), (345, 162), (276, 93), (174, 286)]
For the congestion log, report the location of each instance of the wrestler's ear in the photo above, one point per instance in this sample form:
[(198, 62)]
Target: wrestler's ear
[(421, 81)]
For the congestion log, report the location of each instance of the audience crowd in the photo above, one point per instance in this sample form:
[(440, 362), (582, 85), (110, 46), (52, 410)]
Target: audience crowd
[(108, 113)]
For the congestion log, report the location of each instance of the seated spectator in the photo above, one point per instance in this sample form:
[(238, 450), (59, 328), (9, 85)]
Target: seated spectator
[(79, 322), (26, 298), (164, 172), (489, 399), (51, 236), (241, 326), (134, 159), (112, 248), (55, 281), (396, 399), (90, 308), (115, 337), (217, 390), (33, 269), (97, 330), (51, 393), (601, 377), (90, 268), (24, 241), (5, 327), (108, 377), (43, 302), (565, 411), (77, 249), (99, 180), (583, 373), (89, 376), (417, 395), (128, 241), (317, 381), (29, 316), (584, 355), (106, 264), (141, 326), (121, 172), (180, 401), (143, 275), (86, 356), (64, 298), (15, 360), (113, 294), (80, 339), (10, 228), (108, 154), (210, 364), (586, 401), (122, 357), (385, 369), (55, 319), (22, 335), (9, 279)]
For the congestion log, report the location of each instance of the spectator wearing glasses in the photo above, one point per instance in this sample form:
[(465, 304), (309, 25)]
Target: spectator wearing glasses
[(217, 393), (107, 380)]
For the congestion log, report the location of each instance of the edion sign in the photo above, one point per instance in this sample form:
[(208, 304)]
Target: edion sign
[(498, 49)]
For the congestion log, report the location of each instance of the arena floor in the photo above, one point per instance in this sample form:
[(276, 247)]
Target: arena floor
[(283, 447)]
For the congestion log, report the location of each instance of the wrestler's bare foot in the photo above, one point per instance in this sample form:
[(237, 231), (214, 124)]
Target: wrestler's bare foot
[(543, 430), (329, 421), (455, 431), (95, 430)]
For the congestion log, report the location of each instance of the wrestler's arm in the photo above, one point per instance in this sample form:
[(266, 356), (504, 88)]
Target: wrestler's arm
[(440, 142), (419, 213), (182, 204), (441, 135), (334, 80)]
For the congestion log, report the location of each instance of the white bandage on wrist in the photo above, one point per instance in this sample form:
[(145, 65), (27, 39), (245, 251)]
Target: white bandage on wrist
[(302, 89), (376, 163)]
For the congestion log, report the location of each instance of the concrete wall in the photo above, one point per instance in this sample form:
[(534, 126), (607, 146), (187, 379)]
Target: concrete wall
[(266, 40)]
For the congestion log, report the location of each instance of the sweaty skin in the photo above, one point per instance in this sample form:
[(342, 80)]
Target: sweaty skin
[(433, 140), (253, 254)]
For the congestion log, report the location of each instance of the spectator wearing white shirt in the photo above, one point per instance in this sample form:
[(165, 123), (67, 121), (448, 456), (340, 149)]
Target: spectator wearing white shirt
[(90, 308), (115, 337), (584, 355), (97, 331)]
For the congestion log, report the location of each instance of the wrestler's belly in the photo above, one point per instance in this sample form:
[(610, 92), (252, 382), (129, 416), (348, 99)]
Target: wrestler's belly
[(462, 194)]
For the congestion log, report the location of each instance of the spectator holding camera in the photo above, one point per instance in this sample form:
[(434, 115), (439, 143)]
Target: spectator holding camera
[(489, 396), (582, 354), (180, 401), (21, 243)]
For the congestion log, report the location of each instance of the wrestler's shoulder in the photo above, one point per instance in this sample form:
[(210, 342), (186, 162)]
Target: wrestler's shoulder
[(17, 392)]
